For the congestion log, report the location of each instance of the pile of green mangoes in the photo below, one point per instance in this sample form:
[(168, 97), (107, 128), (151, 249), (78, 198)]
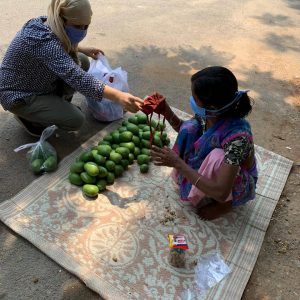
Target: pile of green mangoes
[(102, 164)]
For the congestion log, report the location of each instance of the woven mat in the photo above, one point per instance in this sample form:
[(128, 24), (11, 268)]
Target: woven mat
[(117, 244)]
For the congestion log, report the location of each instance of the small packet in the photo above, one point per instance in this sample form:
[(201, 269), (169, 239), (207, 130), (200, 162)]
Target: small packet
[(178, 247), (42, 156)]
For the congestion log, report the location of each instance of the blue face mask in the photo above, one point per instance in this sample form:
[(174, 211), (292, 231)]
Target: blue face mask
[(197, 110), (206, 113), (75, 35)]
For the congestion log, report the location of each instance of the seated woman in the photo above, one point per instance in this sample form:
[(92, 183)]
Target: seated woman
[(42, 68), (213, 156)]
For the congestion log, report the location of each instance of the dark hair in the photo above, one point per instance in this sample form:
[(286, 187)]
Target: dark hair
[(217, 86)]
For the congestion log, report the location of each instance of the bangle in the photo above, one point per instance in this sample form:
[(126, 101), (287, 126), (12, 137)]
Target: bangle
[(195, 184)]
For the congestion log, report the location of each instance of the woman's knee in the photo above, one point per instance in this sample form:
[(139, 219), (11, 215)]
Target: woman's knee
[(84, 60), (74, 122)]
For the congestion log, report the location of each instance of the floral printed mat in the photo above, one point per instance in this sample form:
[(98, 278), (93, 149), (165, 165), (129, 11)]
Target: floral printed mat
[(117, 244)]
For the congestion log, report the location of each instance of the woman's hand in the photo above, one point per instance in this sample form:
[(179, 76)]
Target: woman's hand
[(130, 102), (165, 157), (90, 51)]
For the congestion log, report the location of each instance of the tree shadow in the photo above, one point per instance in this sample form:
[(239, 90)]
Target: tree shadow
[(272, 92), (295, 4), (167, 70), (282, 43), (275, 20)]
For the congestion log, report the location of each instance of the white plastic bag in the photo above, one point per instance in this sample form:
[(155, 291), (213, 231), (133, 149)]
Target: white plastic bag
[(210, 270), (42, 157), (107, 110)]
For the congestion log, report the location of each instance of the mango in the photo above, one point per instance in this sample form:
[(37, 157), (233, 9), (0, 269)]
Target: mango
[(86, 156), (129, 145), (167, 142), (99, 159), (108, 138), (104, 143), (116, 137), (119, 170), (131, 158), (104, 150), (124, 151), (145, 151), (136, 140), (75, 179), (77, 167), (91, 168), (115, 157), (36, 165), (110, 179), (144, 168), (110, 165), (137, 151), (126, 136), (157, 141), (125, 163), (141, 117), (133, 128), (50, 164), (101, 184), (124, 123), (122, 129), (145, 144), (133, 120), (90, 190), (102, 172), (143, 159), (146, 135), (85, 177)]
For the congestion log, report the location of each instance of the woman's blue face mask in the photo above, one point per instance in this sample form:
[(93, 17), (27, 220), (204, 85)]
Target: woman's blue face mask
[(75, 35), (197, 110), (206, 113)]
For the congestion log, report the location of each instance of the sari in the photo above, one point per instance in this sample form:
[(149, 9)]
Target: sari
[(193, 145)]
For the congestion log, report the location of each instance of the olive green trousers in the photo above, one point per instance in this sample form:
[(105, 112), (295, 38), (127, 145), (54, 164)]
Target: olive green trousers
[(54, 109)]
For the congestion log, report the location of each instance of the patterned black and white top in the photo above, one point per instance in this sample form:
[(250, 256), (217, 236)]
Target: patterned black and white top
[(34, 63)]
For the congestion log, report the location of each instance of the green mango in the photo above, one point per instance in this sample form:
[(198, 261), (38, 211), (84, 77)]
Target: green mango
[(75, 179), (36, 165), (144, 168), (90, 190), (91, 168), (124, 151), (50, 164), (143, 159), (85, 177), (126, 136)]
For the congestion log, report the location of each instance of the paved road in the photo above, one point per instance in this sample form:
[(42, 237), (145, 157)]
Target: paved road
[(161, 43)]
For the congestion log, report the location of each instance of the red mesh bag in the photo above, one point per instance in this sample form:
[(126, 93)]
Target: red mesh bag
[(154, 104)]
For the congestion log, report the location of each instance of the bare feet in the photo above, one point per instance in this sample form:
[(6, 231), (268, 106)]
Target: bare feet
[(214, 210)]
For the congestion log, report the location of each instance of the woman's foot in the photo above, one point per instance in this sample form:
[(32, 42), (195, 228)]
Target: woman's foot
[(214, 210), (30, 128)]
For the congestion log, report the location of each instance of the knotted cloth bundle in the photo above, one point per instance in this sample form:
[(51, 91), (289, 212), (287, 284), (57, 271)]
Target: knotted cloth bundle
[(155, 103)]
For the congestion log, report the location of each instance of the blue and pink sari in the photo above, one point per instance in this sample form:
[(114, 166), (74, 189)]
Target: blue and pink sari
[(193, 146)]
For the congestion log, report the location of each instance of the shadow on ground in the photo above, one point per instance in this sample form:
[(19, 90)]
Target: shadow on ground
[(275, 20), (295, 4)]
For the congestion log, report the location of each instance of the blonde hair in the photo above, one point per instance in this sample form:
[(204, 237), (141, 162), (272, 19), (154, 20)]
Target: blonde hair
[(77, 12)]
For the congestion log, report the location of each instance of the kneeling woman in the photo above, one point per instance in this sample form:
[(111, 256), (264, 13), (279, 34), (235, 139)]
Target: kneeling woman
[(213, 156), (44, 65)]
